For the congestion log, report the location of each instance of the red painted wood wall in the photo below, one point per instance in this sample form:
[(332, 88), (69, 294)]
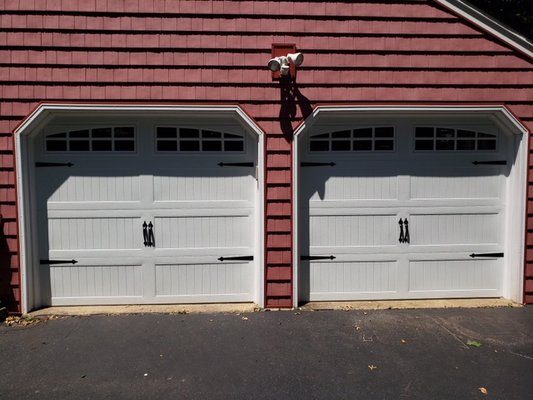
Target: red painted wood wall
[(216, 51)]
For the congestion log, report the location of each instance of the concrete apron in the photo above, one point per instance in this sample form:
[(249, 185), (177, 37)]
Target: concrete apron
[(147, 309), (250, 307), (409, 304)]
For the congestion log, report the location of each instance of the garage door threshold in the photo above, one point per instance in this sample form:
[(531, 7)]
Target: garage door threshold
[(408, 304), (147, 309), (251, 307)]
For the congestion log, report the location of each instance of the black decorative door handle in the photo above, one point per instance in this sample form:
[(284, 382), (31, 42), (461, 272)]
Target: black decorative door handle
[(151, 239), (145, 234), (404, 233), (406, 238)]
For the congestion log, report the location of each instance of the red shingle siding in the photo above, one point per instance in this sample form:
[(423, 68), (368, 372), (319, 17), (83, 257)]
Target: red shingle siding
[(216, 52)]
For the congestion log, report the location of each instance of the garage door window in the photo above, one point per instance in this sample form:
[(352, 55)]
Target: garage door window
[(172, 139), (359, 139), (448, 139), (120, 139)]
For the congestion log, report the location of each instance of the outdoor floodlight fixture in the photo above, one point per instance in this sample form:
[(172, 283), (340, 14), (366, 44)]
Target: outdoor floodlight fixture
[(283, 63), (296, 58)]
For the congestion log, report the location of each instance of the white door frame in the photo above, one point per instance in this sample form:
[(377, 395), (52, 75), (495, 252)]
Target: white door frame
[(513, 279), (46, 113)]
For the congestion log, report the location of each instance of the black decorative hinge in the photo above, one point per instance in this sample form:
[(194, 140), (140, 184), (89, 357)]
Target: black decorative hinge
[(238, 258), (497, 162), (236, 164), (50, 262), (311, 258), (53, 164), (317, 164), (489, 255)]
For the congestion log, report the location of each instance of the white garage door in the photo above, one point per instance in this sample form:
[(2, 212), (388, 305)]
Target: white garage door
[(390, 215), (158, 217)]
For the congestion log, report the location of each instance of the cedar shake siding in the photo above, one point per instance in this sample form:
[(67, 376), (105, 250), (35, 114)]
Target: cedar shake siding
[(215, 52)]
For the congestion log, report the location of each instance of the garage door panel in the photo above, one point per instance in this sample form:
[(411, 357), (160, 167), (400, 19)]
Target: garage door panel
[(82, 208), (344, 280), (203, 188), (352, 201), (454, 229), (105, 281), (206, 281), (358, 253), (339, 187), (443, 277), (347, 207), (353, 230), (94, 233), (93, 201), (98, 256), (199, 255), (202, 232), (201, 208), (463, 186), (90, 186)]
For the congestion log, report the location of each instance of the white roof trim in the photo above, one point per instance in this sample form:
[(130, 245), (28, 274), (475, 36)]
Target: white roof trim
[(45, 110), (489, 24), (500, 113)]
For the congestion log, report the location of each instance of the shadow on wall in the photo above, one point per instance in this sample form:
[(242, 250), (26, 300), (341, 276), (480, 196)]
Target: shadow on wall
[(291, 99), (7, 297)]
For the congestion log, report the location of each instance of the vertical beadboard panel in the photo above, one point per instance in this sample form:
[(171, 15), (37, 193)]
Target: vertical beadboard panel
[(352, 230), (443, 229), (209, 188), (341, 187), (201, 232), (93, 233), (456, 187), (348, 280), (444, 277), (85, 280), (205, 280), (80, 188)]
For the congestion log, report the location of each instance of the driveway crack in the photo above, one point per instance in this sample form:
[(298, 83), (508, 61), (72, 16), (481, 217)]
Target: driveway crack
[(457, 338)]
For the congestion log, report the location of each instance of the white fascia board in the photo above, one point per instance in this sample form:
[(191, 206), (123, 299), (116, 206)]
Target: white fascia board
[(25, 298), (500, 114), (489, 24), (46, 110)]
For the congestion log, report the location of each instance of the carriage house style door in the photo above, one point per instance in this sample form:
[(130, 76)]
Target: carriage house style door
[(144, 210), (403, 208)]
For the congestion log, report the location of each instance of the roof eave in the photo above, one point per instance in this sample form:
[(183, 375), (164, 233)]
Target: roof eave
[(489, 25)]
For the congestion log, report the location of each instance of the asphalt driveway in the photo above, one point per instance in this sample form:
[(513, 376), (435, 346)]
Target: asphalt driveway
[(391, 354)]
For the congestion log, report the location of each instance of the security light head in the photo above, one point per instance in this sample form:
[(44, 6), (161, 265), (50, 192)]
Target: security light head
[(296, 58), (285, 65), (279, 64), (275, 64)]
